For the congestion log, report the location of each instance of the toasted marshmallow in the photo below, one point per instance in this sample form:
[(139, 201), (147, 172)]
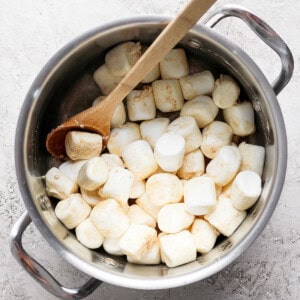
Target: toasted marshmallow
[(72, 211), (83, 145), (151, 209), (202, 109), (59, 185), (164, 188)]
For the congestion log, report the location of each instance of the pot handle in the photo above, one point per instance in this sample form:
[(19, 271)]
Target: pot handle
[(264, 32), (38, 272)]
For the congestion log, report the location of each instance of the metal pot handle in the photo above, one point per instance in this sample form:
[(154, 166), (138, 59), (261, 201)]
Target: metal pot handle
[(264, 32), (38, 272)]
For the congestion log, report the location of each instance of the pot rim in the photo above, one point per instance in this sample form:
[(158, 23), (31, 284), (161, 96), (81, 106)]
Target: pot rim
[(136, 282)]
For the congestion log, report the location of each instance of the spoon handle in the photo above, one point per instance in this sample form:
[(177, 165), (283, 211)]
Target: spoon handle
[(168, 38)]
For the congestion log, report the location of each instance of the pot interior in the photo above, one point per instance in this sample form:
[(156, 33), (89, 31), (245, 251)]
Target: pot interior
[(66, 86)]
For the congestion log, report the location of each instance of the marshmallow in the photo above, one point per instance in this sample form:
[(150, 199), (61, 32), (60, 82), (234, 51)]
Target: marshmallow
[(151, 257), (202, 109), (72, 211), (122, 136), (245, 190), (83, 145), (223, 168), (112, 160), (71, 168), (109, 218), (164, 188), (59, 185), (111, 246), (173, 218), (169, 151), (88, 234), (153, 74), (105, 79), (139, 159), (93, 174), (197, 84), (253, 157), (226, 92), (152, 130), (137, 240), (177, 249), (174, 65), (138, 188), (216, 135), (204, 235), (225, 217), (167, 95), (92, 198), (200, 195), (141, 105), (120, 59), (137, 215), (118, 185), (151, 209), (187, 127), (193, 165), (240, 117)]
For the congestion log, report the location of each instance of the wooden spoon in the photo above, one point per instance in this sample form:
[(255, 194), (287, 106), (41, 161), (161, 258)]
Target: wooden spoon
[(97, 118)]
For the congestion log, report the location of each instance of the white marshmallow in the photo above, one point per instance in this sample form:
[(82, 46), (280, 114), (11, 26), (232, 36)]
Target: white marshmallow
[(202, 109), (141, 105), (167, 95), (71, 168), (151, 257), (152, 130), (72, 211), (137, 215), (253, 157), (139, 159), (169, 151), (154, 73), (122, 136), (245, 190), (164, 188), (88, 234), (174, 65), (177, 249), (151, 209), (193, 165), (118, 185), (93, 174), (173, 218), (120, 59), (204, 236), (223, 168), (83, 145), (112, 160), (109, 218), (138, 188), (111, 246), (200, 195), (197, 84), (105, 79), (216, 135), (137, 240), (225, 217), (92, 198), (59, 185), (226, 91), (240, 118), (187, 127)]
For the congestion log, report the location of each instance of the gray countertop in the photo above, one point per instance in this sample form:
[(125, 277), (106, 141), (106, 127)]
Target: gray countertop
[(31, 32)]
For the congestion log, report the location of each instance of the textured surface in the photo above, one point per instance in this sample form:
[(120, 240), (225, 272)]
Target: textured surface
[(31, 32)]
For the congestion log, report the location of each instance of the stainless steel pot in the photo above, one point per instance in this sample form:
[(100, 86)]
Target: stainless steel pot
[(65, 86)]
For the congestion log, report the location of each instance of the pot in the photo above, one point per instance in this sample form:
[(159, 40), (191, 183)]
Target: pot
[(65, 87)]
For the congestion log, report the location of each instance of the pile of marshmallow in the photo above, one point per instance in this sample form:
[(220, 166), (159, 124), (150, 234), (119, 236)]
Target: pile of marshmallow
[(163, 190)]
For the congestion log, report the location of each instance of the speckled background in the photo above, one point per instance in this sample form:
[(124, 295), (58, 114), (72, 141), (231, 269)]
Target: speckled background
[(31, 32)]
